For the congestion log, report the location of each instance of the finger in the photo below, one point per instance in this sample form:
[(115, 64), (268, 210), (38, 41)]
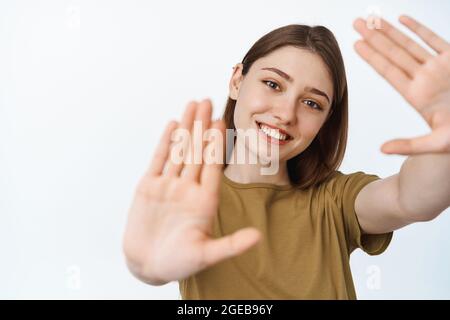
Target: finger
[(229, 246), (201, 124), (162, 151), (212, 169), (416, 50), (396, 77), (432, 39), (432, 143), (175, 168), (387, 48)]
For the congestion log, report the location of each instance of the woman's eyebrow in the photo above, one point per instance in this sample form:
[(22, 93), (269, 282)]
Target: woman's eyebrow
[(317, 91), (289, 78), (280, 73)]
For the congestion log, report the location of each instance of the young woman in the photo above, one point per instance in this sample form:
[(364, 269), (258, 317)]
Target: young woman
[(231, 232)]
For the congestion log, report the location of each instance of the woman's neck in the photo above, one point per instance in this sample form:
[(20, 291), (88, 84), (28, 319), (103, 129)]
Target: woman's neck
[(251, 173)]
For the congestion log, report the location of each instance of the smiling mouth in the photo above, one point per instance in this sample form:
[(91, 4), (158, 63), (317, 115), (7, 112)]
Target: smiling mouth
[(274, 135)]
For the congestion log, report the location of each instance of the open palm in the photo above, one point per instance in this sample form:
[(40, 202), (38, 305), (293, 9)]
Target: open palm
[(422, 78), (169, 227)]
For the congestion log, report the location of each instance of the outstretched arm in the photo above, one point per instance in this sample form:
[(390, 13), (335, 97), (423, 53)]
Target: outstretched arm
[(421, 190)]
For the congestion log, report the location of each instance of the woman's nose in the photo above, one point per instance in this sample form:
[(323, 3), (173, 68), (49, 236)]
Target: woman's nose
[(285, 112)]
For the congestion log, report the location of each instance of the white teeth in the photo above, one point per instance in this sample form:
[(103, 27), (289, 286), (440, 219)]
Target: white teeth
[(272, 132)]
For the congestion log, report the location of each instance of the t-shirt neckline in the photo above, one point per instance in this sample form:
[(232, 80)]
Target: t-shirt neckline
[(255, 184)]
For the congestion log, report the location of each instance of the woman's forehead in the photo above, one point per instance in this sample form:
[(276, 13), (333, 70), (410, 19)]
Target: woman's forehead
[(293, 59)]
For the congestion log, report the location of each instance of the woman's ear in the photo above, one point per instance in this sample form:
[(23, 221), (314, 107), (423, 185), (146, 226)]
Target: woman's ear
[(235, 81)]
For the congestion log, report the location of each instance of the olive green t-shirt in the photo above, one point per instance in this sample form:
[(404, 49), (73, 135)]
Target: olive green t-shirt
[(306, 244)]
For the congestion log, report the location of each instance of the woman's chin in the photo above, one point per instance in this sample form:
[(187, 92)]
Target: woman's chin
[(265, 158)]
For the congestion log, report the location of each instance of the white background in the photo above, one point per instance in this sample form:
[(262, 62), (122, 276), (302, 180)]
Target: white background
[(86, 89)]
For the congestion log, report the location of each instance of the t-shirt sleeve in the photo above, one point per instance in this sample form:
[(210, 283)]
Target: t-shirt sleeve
[(344, 188)]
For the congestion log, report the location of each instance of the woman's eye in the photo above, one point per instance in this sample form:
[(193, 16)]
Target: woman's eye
[(271, 84), (313, 104)]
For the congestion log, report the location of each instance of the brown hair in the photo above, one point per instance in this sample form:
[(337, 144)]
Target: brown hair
[(325, 153)]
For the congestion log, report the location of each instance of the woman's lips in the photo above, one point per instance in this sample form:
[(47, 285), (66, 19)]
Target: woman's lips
[(276, 128), (269, 138)]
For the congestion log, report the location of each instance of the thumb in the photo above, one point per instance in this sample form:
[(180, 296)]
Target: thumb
[(229, 246), (435, 142)]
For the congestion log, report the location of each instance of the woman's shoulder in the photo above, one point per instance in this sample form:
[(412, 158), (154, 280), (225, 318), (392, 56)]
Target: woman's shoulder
[(339, 182)]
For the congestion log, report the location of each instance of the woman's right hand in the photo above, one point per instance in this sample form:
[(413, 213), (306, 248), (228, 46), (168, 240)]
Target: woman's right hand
[(168, 236)]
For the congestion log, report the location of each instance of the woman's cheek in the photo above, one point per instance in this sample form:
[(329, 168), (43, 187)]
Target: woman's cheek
[(306, 134), (309, 124), (256, 100), (310, 133)]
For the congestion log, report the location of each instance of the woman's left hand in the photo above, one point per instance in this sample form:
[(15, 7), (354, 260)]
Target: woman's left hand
[(422, 78)]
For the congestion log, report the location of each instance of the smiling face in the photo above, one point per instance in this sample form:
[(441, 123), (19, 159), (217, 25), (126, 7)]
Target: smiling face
[(291, 90)]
